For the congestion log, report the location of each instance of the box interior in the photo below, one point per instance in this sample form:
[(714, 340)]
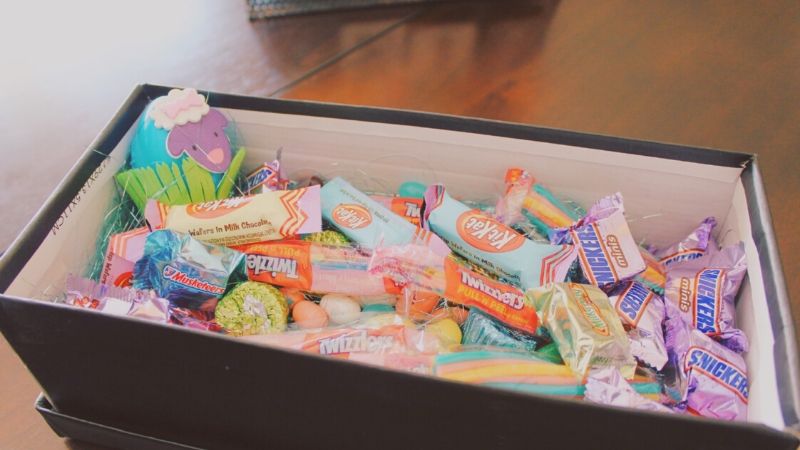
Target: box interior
[(664, 199)]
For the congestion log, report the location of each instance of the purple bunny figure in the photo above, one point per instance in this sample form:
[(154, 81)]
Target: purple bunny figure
[(204, 141)]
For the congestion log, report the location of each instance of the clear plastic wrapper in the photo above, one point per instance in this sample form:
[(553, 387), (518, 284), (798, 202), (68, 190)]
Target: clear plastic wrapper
[(520, 371), (416, 265), (585, 327), (525, 200)]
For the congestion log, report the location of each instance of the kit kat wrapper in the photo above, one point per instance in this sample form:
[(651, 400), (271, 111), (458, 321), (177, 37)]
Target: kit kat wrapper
[(492, 245), (243, 220)]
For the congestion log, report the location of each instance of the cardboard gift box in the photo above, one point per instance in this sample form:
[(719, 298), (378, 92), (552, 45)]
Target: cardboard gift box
[(123, 381)]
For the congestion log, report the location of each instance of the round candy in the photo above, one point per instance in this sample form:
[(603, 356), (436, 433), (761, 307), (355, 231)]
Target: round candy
[(378, 308), (308, 314), (252, 308), (413, 189), (447, 330), (340, 308)]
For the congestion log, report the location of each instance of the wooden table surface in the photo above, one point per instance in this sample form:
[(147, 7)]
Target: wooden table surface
[(719, 74)]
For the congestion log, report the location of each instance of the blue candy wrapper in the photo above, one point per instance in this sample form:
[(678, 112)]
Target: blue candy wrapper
[(188, 273), (494, 246), (366, 221)]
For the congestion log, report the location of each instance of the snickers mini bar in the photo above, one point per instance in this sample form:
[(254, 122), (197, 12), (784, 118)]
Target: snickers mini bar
[(235, 221), (608, 252), (704, 290), (490, 244)]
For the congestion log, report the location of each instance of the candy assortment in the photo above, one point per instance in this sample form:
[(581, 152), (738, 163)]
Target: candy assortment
[(532, 294)]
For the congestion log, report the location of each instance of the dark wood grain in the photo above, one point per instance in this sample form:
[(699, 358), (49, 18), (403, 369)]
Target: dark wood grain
[(704, 73), (719, 74)]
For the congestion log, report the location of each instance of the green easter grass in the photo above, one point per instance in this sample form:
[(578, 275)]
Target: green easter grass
[(165, 183)]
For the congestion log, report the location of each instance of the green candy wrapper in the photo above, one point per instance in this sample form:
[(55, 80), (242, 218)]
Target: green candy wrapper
[(252, 308)]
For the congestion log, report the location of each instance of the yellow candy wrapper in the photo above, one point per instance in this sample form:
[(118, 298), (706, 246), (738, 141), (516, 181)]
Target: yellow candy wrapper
[(584, 326)]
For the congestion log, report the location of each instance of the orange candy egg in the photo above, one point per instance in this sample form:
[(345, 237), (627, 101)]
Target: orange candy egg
[(307, 314)]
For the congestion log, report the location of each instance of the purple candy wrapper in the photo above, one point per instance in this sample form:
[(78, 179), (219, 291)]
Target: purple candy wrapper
[(704, 290), (115, 300), (692, 247), (718, 385), (642, 314), (607, 250), (607, 386)]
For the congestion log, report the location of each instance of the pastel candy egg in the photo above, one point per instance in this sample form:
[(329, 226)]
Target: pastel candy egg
[(308, 314), (413, 189), (340, 308), (447, 330)]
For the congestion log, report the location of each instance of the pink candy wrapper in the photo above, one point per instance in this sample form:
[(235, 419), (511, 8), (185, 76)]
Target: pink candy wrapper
[(124, 249), (704, 290), (114, 300)]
